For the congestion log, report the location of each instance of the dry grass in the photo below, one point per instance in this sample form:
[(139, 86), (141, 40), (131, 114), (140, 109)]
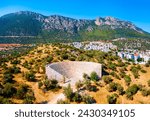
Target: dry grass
[(100, 95)]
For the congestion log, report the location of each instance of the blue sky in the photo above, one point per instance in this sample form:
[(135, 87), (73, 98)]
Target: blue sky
[(136, 11)]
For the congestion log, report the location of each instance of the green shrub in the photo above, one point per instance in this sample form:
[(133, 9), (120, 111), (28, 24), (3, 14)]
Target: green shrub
[(5, 100), (50, 84), (127, 79), (29, 98), (64, 56), (94, 76), (60, 101), (87, 84), (13, 70), (132, 90), (147, 65), (78, 85), (21, 91), (112, 87), (121, 64), (139, 67), (72, 59), (86, 77), (135, 70), (68, 92), (122, 74), (88, 99), (148, 82), (107, 79), (8, 78), (25, 64), (112, 99), (40, 84), (1, 89), (30, 76), (93, 88), (15, 61), (145, 92), (115, 75), (143, 71), (16, 70), (120, 89), (112, 66), (140, 87), (9, 90), (77, 97), (49, 59)]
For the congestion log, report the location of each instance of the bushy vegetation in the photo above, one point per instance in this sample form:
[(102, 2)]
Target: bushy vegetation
[(94, 76), (8, 90), (145, 92), (127, 79), (68, 92), (32, 68), (40, 84), (148, 82), (87, 84), (88, 99), (132, 90), (64, 56), (122, 72), (112, 99), (107, 79), (78, 85), (29, 98), (76, 97), (8, 78), (135, 70), (15, 61), (60, 101), (112, 66), (120, 89), (13, 70), (112, 87), (116, 87), (49, 59), (50, 84), (22, 91), (147, 64), (30, 76), (114, 74), (86, 77), (5, 100)]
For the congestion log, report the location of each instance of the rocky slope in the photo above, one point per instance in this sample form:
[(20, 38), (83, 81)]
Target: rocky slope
[(26, 23)]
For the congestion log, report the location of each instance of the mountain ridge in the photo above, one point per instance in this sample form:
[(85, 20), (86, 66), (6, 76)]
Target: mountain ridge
[(57, 27)]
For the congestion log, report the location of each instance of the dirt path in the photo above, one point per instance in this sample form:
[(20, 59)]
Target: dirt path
[(40, 96), (49, 97), (56, 97)]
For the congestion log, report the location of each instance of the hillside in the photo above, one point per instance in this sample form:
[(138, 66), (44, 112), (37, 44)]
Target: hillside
[(30, 27), (23, 80)]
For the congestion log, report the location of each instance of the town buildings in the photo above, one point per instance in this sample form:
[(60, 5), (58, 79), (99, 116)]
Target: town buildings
[(102, 46), (140, 57)]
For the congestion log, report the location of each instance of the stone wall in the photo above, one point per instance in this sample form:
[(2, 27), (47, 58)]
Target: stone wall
[(72, 71)]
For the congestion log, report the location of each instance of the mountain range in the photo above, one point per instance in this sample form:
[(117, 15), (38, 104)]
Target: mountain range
[(29, 27)]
